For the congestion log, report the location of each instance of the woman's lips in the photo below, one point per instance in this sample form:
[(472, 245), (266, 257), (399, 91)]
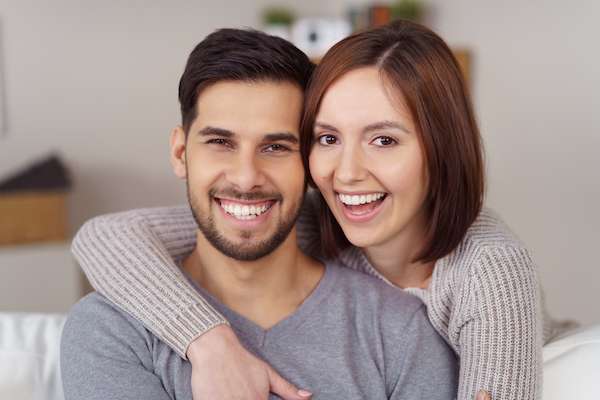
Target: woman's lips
[(363, 212)]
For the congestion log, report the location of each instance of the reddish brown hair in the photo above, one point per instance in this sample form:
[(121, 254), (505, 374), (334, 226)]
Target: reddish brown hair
[(416, 63)]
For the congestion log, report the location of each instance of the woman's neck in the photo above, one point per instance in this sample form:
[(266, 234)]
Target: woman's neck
[(394, 258)]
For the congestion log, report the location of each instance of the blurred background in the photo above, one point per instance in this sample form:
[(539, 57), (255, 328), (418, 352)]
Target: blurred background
[(88, 96)]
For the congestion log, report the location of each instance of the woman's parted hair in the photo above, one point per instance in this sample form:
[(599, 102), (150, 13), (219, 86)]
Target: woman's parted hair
[(417, 63)]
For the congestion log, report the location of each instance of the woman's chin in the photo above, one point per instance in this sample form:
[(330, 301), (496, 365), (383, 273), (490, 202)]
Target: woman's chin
[(361, 238)]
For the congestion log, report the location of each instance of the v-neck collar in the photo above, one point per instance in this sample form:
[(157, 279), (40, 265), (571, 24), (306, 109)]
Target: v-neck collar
[(252, 332)]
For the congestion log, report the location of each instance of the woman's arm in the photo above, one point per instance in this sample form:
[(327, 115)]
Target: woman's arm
[(500, 337), (129, 257)]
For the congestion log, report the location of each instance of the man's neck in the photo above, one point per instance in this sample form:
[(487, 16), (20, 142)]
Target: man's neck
[(264, 291)]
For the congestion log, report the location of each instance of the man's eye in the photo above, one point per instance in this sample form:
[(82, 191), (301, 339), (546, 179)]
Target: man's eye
[(327, 140), (276, 148), (219, 142), (384, 141)]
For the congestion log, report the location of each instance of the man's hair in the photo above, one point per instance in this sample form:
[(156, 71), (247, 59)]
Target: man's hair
[(239, 55)]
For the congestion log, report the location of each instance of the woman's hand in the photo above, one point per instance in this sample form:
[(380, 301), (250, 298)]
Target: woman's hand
[(223, 369), (483, 395)]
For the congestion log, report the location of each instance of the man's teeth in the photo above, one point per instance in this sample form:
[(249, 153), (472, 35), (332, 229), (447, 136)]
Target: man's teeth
[(245, 212), (355, 200)]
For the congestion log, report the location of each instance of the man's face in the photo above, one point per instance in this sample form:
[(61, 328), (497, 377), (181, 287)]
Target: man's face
[(243, 167)]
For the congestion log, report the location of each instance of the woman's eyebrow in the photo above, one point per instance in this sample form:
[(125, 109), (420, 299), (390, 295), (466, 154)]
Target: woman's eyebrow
[(325, 126), (385, 125)]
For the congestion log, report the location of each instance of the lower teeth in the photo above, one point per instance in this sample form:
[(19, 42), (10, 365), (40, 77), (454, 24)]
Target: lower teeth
[(244, 216)]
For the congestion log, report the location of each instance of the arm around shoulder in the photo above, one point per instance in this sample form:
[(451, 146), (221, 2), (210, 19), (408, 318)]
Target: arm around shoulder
[(129, 258)]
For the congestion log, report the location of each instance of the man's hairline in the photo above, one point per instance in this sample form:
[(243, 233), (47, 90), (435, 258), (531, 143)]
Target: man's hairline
[(201, 87)]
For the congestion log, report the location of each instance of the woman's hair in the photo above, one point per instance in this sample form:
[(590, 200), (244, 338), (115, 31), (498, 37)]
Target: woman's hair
[(416, 63)]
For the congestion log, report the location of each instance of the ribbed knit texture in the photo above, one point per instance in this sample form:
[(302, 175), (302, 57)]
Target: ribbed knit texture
[(484, 298)]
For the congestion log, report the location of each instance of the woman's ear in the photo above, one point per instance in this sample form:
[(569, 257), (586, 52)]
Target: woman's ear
[(177, 143)]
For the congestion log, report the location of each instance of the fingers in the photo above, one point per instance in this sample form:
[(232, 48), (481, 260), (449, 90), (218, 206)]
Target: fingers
[(284, 389), (483, 395)]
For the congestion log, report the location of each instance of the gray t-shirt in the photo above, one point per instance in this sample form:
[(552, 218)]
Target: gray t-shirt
[(354, 337)]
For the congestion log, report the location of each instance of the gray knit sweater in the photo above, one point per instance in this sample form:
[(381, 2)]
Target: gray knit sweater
[(484, 298)]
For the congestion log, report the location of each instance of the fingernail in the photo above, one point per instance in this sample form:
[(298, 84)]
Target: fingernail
[(304, 393), (481, 395)]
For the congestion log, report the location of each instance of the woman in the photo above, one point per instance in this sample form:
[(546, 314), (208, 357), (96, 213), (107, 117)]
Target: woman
[(390, 140)]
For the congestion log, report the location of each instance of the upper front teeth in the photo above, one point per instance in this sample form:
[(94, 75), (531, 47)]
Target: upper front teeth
[(354, 200), (238, 210)]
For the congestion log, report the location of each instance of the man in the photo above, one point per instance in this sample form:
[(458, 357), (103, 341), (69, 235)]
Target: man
[(341, 333)]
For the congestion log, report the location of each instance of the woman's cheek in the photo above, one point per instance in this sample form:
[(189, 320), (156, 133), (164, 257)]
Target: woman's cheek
[(321, 168)]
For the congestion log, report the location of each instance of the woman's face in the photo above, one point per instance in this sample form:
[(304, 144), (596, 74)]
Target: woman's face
[(367, 160)]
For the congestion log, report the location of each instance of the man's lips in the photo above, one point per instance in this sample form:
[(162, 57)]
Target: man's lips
[(245, 210), (225, 200)]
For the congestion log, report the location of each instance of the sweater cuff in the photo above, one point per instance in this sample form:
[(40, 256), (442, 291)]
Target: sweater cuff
[(190, 324)]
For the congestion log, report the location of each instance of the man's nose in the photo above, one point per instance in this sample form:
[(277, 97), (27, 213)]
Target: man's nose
[(351, 166), (246, 172)]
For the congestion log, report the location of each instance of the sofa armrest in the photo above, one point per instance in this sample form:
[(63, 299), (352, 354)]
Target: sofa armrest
[(572, 365), (29, 356)]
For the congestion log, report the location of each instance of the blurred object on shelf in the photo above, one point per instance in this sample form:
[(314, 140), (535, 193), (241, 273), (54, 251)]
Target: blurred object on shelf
[(379, 15), (315, 36), (463, 56), (412, 10), (358, 18), (277, 21), (46, 174), (33, 204)]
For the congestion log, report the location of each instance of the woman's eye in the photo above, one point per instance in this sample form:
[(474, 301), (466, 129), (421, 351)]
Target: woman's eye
[(384, 141), (327, 140)]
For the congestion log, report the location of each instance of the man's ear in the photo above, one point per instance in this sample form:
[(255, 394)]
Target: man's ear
[(177, 156)]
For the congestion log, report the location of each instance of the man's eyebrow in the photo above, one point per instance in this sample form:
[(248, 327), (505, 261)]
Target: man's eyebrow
[(281, 136), (211, 130), (385, 125)]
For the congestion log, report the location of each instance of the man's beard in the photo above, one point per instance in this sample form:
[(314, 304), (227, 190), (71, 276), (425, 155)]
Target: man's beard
[(250, 250)]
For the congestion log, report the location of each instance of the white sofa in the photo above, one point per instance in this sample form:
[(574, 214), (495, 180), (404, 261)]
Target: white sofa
[(29, 369)]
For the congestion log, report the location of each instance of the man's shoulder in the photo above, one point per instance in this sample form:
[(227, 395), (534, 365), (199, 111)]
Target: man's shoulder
[(94, 316), (95, 306)]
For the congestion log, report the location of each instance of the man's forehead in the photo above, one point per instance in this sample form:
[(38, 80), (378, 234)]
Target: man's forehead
[(250, 109)]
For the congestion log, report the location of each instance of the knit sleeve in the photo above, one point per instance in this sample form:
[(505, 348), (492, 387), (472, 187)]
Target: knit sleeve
[(500, 337), (129, 258)]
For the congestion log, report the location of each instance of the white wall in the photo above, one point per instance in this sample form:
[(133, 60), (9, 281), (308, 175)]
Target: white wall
[(537, 95), (38, 278)]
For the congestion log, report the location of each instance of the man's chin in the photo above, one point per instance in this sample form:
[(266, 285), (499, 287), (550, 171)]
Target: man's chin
[(243, 251)]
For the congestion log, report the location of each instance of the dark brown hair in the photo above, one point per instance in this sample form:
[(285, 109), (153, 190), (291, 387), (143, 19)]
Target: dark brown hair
[(239, 55), (415, 62)]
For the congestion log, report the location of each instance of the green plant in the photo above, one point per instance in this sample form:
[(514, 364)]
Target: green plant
[(407, 9), (278, 16)]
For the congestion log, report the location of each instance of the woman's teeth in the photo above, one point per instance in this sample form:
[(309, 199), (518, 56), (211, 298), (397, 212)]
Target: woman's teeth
[(240, 211), (355, 200)]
